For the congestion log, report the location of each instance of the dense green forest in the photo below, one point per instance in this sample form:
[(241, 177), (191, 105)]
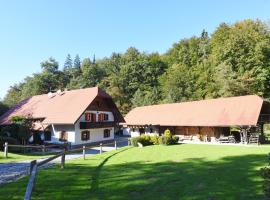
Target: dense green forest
[(233, 60)]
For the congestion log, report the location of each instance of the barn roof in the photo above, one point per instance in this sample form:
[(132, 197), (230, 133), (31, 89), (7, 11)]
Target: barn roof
[(242, 110), (57, 108)]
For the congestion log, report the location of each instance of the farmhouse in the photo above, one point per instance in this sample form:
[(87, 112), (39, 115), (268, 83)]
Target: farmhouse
[(77, 116), (239, 119)]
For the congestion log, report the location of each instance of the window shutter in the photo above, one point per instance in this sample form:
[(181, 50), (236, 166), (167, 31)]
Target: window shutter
[(87, 117), (94, 118)]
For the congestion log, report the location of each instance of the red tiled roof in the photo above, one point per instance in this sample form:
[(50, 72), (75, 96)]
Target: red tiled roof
[(64, 108), (242, 110)]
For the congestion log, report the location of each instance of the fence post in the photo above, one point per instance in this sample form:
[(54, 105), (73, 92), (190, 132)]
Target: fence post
[(115, 144), (100, 148), (6, 150), (32, 163), (84, 152), (31, 183), (43, 149), (63, 159)]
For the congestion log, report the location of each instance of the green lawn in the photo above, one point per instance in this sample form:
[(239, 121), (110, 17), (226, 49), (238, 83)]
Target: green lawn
[(12, 157), (186, 172)]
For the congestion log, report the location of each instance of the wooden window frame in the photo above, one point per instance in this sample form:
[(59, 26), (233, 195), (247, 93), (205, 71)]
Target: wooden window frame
[(90, 117), (63, 136), (85, 137), (106, 133), (106, 117)]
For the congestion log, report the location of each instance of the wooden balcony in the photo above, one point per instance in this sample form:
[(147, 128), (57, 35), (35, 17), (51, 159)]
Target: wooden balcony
[(264, 118), (89, 125)]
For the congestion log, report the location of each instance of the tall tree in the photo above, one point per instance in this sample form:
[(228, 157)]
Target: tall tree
[(77, 62), (50, 65), (68, 63)]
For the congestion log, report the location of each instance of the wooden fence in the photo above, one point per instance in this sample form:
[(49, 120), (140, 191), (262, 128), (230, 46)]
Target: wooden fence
[(42, 147), (34, 165)]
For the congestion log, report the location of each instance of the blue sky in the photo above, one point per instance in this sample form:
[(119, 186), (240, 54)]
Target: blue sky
[(32, 31)]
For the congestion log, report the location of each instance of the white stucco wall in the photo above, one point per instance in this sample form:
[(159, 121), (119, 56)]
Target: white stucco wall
[(74, 131), (97, 134), (134, 132), (126, 131), (57, 129)]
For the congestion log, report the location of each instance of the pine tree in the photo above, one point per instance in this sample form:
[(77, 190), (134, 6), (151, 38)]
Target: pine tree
[(77, 62), (68, 63)]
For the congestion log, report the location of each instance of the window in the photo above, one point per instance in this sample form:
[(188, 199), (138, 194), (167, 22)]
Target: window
[(107, 133), (63, 136), (103, 117), (85, 135), (90, 117), (106, 117)]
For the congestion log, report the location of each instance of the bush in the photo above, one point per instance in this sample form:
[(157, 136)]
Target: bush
[(9, 140), (146, 140), (154, 139), (175, 139), (167, 133), (134, 141), (167, 140)]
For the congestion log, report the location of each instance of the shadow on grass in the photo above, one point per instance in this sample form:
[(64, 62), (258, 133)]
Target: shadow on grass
[(229, 178), (96, 174)]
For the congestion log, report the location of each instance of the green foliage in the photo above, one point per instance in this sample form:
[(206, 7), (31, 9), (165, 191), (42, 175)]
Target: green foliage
[(134, 141), (50, 66), (167, 133), (9, 140), (3, 108), (154, 139), (18, 130), (77, 62), (146, 140), (168, 138), (68, 63)]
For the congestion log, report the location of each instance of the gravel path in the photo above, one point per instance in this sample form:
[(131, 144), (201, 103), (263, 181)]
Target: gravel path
[(10, 172)]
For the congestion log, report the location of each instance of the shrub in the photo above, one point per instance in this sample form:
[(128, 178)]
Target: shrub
[(154, 139), (167, 133), (175, 139), (168, 139), (134, 141), (145, 140)]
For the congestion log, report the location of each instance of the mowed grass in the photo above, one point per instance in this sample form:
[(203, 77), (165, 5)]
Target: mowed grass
[(185, 172), (13, 157)]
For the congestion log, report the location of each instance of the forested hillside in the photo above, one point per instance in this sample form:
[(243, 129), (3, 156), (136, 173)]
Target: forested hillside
[(233, 60)]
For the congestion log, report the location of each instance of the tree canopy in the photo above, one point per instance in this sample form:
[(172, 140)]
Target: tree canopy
[(233, 60)]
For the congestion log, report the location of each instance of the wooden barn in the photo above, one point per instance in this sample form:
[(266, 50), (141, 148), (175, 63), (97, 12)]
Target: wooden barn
[(232, 119)]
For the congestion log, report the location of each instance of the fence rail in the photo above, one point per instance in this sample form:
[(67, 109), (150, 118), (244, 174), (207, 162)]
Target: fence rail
[(34, 165), (42, 147)]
